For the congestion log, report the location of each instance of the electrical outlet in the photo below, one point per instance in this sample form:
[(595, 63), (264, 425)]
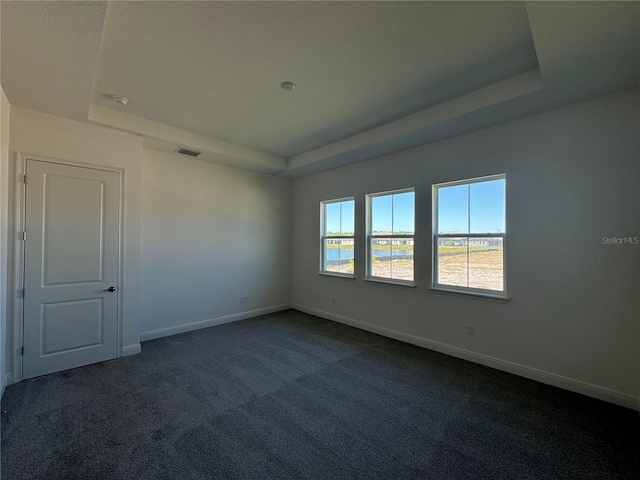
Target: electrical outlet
[(471, 330), (333, 299), (244, 299)]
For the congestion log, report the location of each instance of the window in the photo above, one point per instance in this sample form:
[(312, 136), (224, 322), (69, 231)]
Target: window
[(337, 242), (469, 236), (390, 236)]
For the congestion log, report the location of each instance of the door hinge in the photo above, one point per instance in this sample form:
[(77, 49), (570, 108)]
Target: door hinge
[(22, 351), (22, 178), (23, 235), (21, 293)]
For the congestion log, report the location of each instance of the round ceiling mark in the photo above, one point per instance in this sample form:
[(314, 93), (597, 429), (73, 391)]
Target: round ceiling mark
[(288, 86), (120, 100)]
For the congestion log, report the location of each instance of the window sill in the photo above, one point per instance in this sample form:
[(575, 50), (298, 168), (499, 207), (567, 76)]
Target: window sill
[(338, 275), (398, 283), (479, 295)]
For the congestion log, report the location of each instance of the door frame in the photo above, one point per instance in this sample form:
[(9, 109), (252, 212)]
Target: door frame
[(19, 253)]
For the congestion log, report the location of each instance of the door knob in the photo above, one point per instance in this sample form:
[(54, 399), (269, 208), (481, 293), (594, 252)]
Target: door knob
[(111, 289)]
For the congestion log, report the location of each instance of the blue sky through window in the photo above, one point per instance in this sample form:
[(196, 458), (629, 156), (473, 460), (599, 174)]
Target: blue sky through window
[(340, 217), (472, 208), (393, 213)]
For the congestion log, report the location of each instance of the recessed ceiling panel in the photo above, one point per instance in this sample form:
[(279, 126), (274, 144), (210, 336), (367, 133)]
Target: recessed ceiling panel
[(215, 68)]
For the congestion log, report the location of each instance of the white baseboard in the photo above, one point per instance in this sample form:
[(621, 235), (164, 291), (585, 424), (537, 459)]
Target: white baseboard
[(131, 350), (188, 327), (541, 376)]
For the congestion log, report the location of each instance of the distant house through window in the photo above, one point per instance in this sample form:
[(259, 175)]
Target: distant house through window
[(469, 235), (390, 236), (337, 237)]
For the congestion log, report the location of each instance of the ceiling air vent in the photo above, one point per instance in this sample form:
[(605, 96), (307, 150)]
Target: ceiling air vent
[(187, 151)]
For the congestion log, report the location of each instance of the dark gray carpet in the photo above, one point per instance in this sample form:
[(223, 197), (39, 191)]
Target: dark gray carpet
[(293, 396)]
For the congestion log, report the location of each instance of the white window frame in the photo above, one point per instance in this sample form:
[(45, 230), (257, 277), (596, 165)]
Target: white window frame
[(437, 236), (370, 237), (323, 236)]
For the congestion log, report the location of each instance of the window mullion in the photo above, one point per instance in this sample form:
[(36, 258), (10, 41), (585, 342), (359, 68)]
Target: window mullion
[(471, 235), (468, 209), (390, 236), (467, 262), (392, 219), (392, 231)]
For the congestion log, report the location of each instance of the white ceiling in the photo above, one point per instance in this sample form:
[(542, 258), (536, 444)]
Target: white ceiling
[(371, 77)]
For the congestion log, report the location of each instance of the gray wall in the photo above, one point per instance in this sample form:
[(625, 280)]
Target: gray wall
[(572, 178), (210, 234)]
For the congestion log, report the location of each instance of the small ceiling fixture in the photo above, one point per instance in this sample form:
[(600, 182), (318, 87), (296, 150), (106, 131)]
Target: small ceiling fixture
[(288, 86), (120, 100)]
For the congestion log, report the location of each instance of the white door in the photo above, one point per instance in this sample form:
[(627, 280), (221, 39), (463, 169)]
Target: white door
[(71, 267)]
